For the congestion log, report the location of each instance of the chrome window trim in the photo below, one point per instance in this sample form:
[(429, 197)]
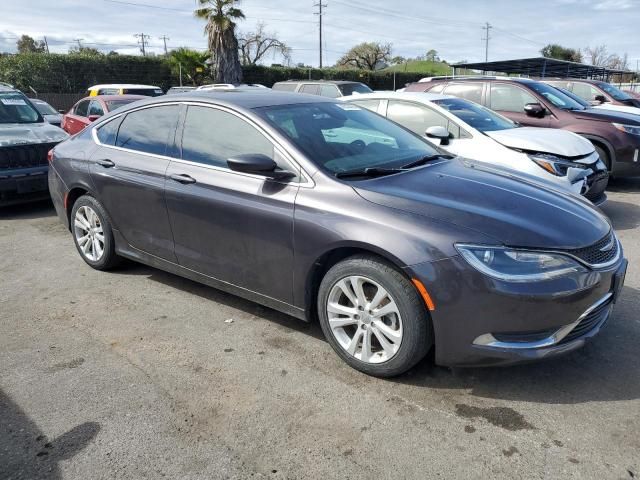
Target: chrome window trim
[(488, 340), (308, 181)]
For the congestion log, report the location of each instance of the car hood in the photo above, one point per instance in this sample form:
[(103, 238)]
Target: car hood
[(512, 211), (606, 115), (57, 118), (543, 140), (30, 133), (618, 108)]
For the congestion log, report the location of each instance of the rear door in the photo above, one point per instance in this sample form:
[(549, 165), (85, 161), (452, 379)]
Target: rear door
[(128, 172), (76, 120), (232, 226), (510, 99)]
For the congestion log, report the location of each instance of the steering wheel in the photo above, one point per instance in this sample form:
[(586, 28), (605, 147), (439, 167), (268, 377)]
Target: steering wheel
[(358, 146)]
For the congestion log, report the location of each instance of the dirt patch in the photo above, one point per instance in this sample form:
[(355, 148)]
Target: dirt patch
[(503, 417)]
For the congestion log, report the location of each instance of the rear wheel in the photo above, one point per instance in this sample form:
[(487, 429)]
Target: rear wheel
[(92, 233), (373, 317)]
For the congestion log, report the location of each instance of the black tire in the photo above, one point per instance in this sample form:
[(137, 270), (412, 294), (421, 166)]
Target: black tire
[(109, 259), (604, 156), (416, 337)]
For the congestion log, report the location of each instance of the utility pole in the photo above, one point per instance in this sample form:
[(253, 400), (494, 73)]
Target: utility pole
[(164, 38), (142, 40), (46, 44), (486, 38), (320, 5), (79, 40)]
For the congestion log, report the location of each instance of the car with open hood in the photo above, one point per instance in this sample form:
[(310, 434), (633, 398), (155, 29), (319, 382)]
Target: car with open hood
[(461, 127), (25, 140), (324, 210)]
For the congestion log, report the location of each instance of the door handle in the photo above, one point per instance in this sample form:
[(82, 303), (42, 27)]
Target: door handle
[(106, 163), (182, 178)]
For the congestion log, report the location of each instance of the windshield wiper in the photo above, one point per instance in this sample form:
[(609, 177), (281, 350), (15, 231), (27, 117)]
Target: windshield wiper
[(426, 159), (368, 172)]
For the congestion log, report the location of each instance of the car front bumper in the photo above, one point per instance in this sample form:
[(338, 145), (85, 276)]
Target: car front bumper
[(480, 321), (23, 185)]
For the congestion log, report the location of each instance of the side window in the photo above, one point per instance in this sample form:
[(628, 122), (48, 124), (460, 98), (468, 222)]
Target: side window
[(310, 89), (108, 91), (585, 91), (368, 104), (509, 98), (95, 108), (330, 91), (148, 130), (468, 91), (108, 132), (212, 136), (416, 118), (82, 108)]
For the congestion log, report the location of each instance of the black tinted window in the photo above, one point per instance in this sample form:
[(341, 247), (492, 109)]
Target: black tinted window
[(95, 108), (108, 132), (212, 136), (148, 130), (468, 91), (351, 88), (82, 108)]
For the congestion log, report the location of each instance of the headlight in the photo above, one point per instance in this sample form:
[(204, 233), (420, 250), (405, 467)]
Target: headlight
[(554, 165), (513, 265), (631, 129)]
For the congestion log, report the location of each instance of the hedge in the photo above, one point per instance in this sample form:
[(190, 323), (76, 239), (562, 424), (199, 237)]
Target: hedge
[(60, 73)]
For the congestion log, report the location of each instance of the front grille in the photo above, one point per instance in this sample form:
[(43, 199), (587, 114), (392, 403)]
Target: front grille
[(598, 316), (24, 156), (594, 255)]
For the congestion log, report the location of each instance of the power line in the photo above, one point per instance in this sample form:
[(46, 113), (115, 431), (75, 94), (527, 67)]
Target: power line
[(79, 40), (486, 39)]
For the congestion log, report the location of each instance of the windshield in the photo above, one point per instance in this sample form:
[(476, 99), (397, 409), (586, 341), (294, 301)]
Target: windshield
[(351, 88), (116, 104), (615, 92), (14, 108), (555, 96), (44, 108), (345, 137), (477, 116)]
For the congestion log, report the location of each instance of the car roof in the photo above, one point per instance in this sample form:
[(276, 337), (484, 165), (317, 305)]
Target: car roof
[(247, 99), (421, 96), (121, 85), (332, 82)]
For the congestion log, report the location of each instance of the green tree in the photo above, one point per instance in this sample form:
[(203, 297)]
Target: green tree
[(89, 51), (432, 55), (367, 56), (553, 50), (221, 16), (27, 44), (189, 63)]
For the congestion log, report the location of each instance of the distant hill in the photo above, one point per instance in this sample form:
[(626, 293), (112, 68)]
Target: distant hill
[(421, 66)]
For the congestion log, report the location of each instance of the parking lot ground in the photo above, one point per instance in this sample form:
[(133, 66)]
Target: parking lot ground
[(139, 374)]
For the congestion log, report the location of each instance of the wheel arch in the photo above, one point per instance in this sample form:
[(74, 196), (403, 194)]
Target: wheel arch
[(605, 145)]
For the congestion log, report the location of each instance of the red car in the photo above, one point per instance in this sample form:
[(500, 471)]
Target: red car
[(89, 109)]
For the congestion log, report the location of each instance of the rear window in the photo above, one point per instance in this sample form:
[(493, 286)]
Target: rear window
[(116, 104), (351, 88), (285, 87)]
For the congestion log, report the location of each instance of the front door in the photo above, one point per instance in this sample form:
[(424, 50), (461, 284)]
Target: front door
[(510, 99), (234, 227), (128, 172)]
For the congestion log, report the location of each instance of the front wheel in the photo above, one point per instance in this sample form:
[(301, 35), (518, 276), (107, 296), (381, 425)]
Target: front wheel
[(373, 317)]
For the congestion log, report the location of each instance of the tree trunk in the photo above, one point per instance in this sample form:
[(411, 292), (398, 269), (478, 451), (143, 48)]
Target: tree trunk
[(226, 65)]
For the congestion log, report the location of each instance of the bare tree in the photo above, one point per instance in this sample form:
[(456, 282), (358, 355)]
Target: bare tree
[(255, 45), (598, 56), (367, 55)]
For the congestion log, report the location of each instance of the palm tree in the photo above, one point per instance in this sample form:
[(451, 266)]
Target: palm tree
[(220, 16)]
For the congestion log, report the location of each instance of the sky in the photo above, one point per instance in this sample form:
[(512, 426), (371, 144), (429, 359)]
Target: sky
[(520, 28)]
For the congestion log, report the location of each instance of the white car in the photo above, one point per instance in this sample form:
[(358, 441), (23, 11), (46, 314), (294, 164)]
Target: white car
[(553, 157), (230, 86)]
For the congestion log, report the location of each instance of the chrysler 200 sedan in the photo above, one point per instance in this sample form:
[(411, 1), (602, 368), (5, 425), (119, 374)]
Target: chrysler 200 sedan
[(394, 246)]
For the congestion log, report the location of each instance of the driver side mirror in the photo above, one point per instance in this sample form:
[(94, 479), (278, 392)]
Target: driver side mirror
[(258, 164), (440, 133), (600, 99), (534, 110), (93, 118)]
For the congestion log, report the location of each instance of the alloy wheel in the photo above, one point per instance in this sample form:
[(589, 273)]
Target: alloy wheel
[(364, 319), (89, 234)]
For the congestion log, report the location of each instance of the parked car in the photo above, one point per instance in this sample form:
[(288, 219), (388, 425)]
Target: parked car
[(554, 157), (89, 109), (124, 89), (394, 246), (230, 86), (324, 88), (595, 91), (615, 135), (174, 90), (49, 113), (632, 93), (601, 106), (25, 140)]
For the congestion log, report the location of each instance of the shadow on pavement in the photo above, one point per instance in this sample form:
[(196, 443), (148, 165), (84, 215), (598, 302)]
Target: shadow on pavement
[(624, 185), (605, 369), (25, 451), (28, 211), (623, 215)]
